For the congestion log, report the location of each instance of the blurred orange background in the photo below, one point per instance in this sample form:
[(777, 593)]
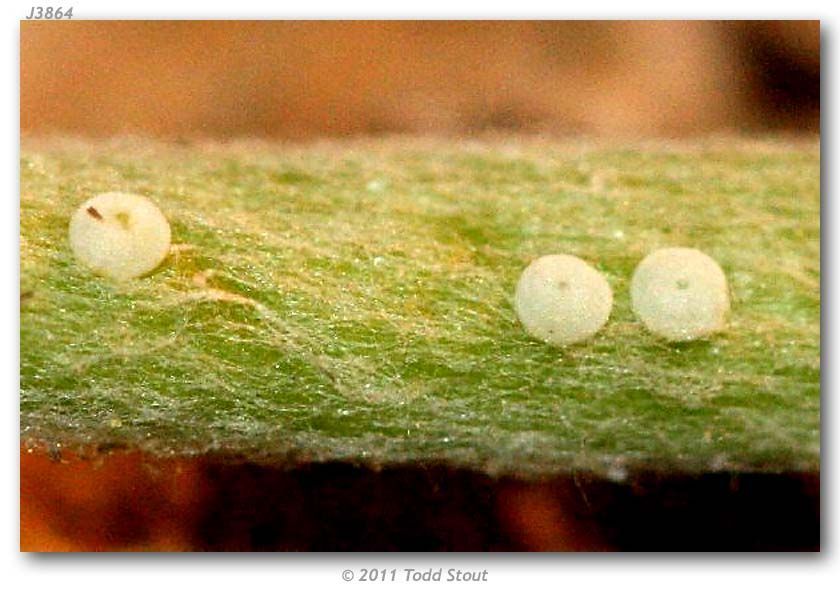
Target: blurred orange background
[(336, 78)]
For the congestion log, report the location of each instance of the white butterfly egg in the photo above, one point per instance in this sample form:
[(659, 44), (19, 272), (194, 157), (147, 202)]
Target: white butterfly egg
[(120, 236), (562, 300), (680, 294)]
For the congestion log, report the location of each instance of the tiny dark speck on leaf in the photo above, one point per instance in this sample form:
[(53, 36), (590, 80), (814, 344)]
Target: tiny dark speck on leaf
[(94, 213)]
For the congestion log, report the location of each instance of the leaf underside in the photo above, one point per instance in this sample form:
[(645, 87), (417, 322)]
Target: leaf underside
[(352, 301)]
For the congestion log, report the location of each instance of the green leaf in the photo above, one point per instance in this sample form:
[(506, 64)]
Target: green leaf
[(352, 301)]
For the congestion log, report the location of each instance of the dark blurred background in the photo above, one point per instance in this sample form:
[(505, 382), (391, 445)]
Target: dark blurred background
[(310, 79)]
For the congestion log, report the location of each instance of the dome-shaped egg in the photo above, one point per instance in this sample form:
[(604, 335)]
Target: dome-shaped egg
[(562, 300), (119, 235), (680, 294)]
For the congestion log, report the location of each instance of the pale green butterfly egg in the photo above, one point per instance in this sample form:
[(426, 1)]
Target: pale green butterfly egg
[(680, 294), (119, 235), (562, 300)]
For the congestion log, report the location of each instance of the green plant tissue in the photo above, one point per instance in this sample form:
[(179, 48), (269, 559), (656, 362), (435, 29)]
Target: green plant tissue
[(353, 301)]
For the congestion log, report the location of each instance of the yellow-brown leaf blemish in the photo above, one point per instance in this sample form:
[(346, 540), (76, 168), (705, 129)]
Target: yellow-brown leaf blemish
[(178, 249), (202, 280)]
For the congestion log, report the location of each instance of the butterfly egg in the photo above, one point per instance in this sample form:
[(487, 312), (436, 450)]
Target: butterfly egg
[(680, 294), (562, 300), (120, 236)]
